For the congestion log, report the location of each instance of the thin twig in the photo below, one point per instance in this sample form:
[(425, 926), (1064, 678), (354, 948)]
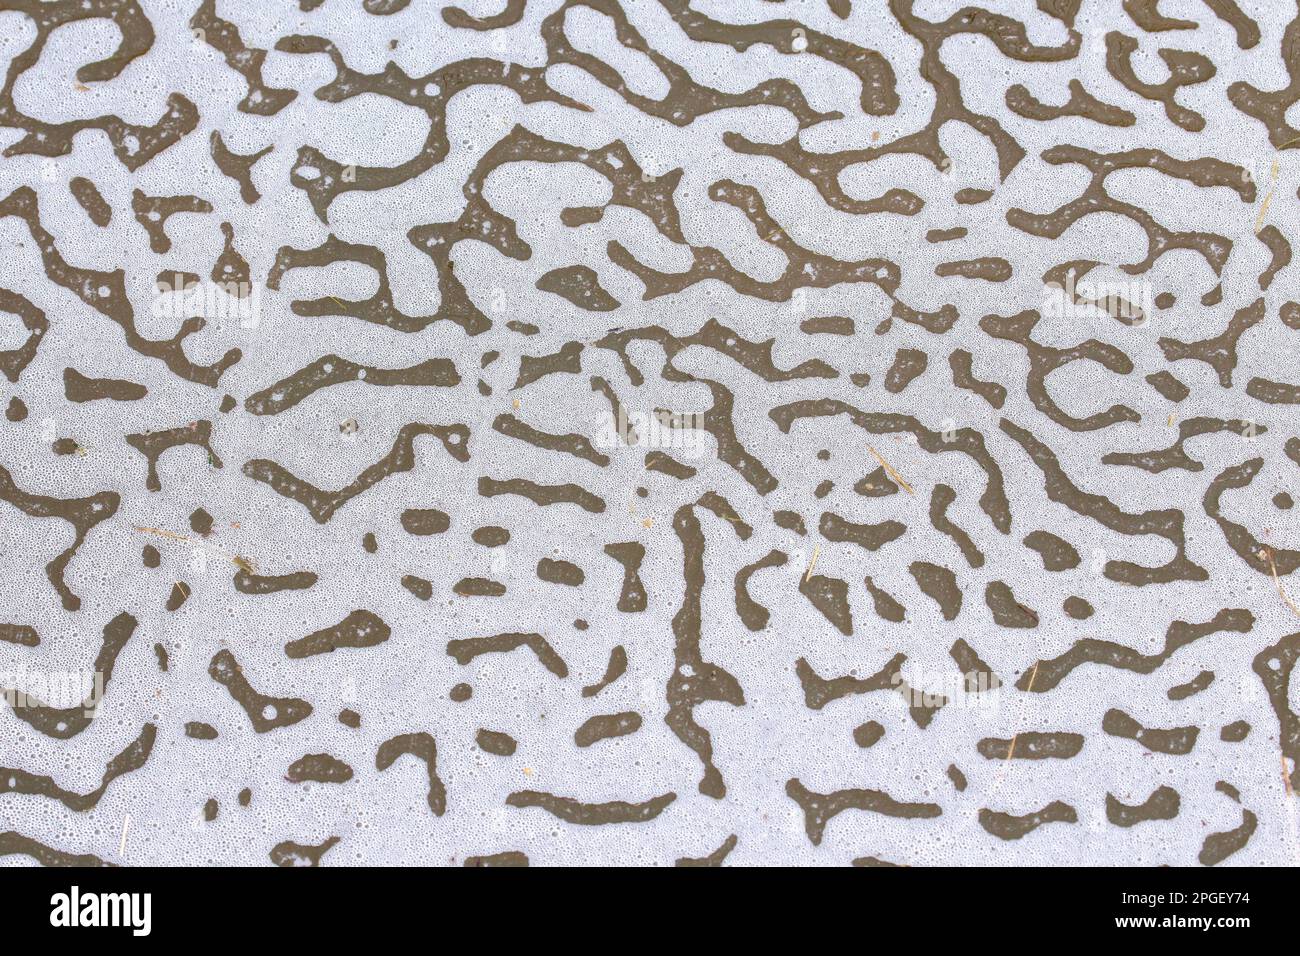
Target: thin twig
[(1011, 751), (1268, 200), (812, 564), (1268, 553), (240, 562), (889, 470), (163, 533)]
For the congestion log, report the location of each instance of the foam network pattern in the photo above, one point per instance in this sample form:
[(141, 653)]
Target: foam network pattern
[(648, 432)]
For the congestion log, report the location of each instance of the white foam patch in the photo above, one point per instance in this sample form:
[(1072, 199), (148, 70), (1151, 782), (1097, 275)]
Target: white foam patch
[(402, 685)]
